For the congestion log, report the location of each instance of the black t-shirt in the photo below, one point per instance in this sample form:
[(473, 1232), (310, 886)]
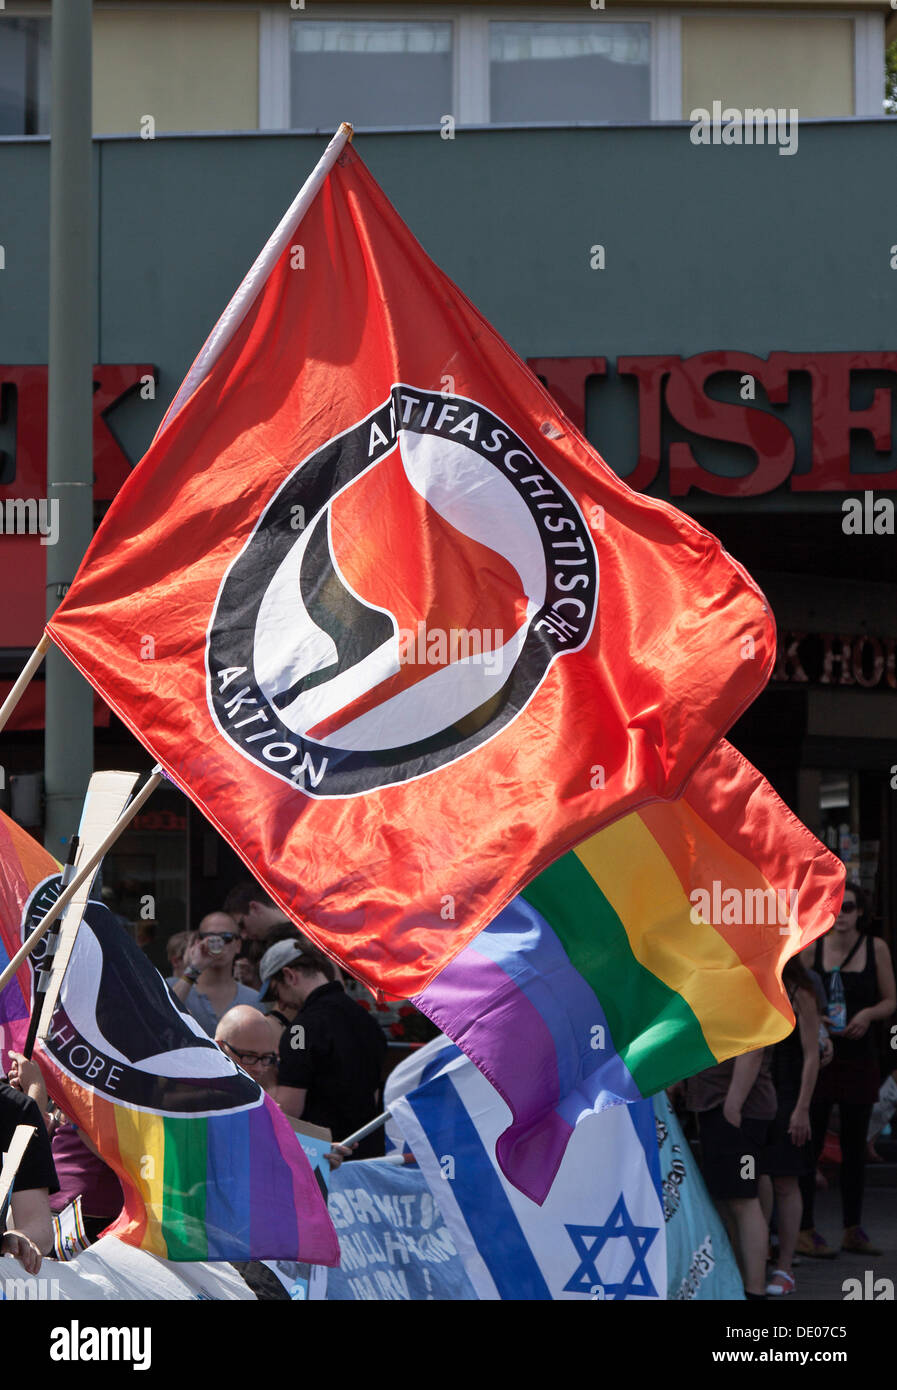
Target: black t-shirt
[(37, 1168), (334, 1051)]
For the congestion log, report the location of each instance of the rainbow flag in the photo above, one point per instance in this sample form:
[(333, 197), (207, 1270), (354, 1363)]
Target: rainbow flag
[(210, 1167), (651, 951)]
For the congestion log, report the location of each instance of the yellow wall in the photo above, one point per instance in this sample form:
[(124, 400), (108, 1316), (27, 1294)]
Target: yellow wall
[(188, 70), (762, 61)]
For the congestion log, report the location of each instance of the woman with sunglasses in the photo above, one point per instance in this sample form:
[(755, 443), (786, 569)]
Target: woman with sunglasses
[(207, 988), (863, 965)]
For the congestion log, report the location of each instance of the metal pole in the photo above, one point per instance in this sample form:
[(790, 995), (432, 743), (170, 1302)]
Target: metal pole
[(365, 1130), (68, 746)]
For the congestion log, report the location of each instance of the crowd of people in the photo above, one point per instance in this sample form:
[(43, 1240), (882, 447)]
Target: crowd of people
[(762, 1119), (284, 1013)]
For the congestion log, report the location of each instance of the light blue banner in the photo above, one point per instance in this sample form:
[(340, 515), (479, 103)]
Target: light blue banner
[(700, 1263), (394, 1244)]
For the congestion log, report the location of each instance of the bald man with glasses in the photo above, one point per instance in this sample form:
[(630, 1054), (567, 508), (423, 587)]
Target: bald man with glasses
[(252, 1041)]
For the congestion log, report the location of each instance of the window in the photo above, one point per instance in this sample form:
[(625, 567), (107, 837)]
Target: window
[(369, 72), (591, 71), (24, 76)]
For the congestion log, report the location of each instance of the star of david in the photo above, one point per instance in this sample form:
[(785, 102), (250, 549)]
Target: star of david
[(591, 1240)]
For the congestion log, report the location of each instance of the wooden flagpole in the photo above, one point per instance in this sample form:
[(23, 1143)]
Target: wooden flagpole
[(106, 800), (21, 1138), (18, 689), (85, 872)]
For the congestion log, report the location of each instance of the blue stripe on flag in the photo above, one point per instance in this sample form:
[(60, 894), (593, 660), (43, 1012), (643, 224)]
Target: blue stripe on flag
[(490, 1218), (228, 1166), (530, 951), (642, 1116), (443, 1056)]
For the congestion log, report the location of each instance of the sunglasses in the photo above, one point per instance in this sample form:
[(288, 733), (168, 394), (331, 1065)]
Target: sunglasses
[(848, 907), (226, 936), (251, 1059)]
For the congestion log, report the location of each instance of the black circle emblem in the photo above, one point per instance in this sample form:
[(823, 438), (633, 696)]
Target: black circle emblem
[(117, 1028), (400, 599)]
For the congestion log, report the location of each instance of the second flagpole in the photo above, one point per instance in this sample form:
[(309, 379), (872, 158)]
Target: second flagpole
[(20, 686), (84, 873)]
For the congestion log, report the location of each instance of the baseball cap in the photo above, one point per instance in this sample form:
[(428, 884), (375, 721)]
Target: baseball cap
[(275, 958)]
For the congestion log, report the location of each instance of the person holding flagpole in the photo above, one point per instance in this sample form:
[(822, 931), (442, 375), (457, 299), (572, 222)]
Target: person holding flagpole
[(30, 1235)]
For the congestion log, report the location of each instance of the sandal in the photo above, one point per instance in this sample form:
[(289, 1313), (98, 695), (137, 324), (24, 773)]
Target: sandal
[(780, 1283)]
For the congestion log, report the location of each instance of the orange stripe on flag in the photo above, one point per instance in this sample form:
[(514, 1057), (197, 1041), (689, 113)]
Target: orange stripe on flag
[(699, 857)]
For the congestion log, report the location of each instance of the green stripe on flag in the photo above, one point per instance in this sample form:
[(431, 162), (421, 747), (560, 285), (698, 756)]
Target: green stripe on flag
[(655, 1031), (186, 1175)]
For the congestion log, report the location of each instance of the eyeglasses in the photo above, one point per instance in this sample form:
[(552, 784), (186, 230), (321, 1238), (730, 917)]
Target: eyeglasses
[(226, 936), (252, 1059), (848, 907)]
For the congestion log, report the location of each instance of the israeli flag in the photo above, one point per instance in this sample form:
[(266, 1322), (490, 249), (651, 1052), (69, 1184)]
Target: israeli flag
[(600, 1234)]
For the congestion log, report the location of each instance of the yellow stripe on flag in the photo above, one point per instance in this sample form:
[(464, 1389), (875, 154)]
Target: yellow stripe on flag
[(694, 960), (141, 1139)]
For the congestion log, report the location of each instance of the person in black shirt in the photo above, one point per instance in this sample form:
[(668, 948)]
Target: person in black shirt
[(32, 1229), (863, 965), (332, 1053)]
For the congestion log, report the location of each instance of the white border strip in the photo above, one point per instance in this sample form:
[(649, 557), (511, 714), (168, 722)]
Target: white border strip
[(868, 65), (666, 68), (274, 69)]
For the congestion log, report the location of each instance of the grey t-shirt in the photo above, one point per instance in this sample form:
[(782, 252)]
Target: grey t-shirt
[(199, 1006)]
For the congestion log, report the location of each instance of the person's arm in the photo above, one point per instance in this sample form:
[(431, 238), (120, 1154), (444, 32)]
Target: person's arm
[(26, 1076), (31, 1235), (884, 969), (808, 1023), (744, 1074), (196, 958)]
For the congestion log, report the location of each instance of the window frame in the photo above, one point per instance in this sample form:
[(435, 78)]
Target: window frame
[(470, 55), (40, 11), (470, 86)]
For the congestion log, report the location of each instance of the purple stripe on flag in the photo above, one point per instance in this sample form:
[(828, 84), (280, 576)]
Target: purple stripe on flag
[(12, 1001), (516, 1005), (273, 1233), (480, 1008), (289, 1216)]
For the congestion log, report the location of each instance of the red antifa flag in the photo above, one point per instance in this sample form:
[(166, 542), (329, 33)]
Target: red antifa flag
[(383, 613)]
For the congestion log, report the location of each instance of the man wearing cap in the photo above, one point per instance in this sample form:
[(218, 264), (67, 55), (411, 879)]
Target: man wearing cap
[(331, 1055)]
